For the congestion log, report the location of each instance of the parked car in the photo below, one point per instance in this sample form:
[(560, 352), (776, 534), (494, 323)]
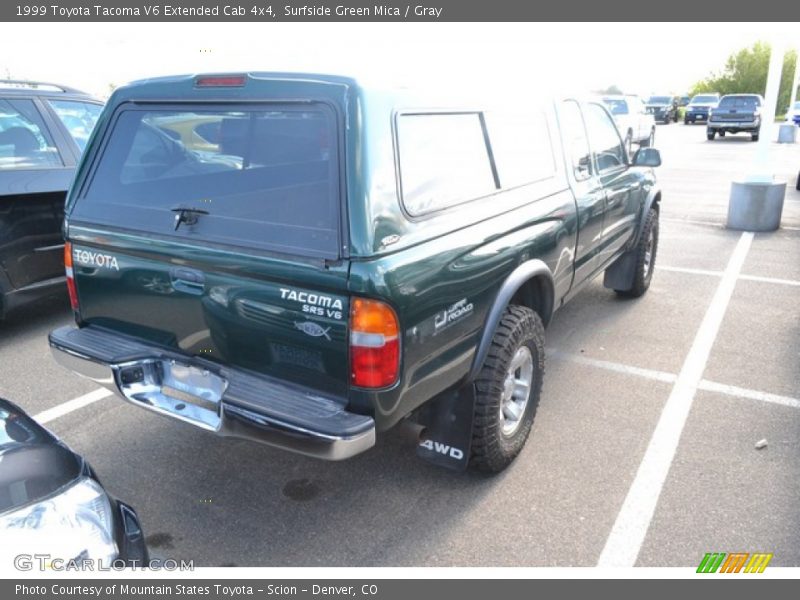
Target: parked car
[(663, 108), (684, 101), (635, 124), (793, 114), (43, 129), (346, 258), (700, 107), (52, 503), (736, 113)]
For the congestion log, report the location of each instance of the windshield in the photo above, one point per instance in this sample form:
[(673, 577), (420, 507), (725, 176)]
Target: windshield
[(660, 100), (704, 99), (617, 106), (749, 102), (264, 177)]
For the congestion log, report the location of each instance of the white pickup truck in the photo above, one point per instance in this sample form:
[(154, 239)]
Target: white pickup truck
[(635, 124)]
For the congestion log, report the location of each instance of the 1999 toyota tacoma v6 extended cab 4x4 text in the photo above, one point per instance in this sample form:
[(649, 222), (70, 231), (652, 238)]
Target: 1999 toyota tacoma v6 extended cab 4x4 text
[(306, 261)]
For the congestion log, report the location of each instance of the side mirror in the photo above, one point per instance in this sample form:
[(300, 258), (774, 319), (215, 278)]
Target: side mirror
[(647, 157)]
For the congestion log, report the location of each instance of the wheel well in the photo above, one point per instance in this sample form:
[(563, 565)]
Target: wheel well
[(537, 294)]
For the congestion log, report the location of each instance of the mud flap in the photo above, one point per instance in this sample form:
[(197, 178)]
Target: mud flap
[(447, 438), (620, 275)]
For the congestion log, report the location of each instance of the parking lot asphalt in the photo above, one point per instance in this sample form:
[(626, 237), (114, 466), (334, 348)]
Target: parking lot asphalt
[(638, 453)]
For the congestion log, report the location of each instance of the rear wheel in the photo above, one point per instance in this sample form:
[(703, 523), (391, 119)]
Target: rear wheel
[(710, 134), (507, 390), (754, 136), (645, 251), (721, 134)]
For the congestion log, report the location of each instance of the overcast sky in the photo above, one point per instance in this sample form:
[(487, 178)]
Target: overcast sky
[(639, 57)]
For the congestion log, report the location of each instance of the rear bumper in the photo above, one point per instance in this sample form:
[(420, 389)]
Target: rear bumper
[(734, 126), (223, 400)]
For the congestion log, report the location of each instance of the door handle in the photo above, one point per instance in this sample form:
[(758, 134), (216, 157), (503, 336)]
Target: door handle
[(190, 281)]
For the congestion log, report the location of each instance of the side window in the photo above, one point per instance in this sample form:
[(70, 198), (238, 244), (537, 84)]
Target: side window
[(608, 149), (443, 159), (78, 117), (575, 141), (521, 145), (25, 142)]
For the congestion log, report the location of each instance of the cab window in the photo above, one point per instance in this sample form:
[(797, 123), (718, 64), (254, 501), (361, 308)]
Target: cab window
[(444, 161), (78, 117), (608, 150), (575, 140), (25, 142)]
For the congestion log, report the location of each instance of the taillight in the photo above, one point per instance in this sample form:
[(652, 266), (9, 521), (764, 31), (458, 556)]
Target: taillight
[(73, 292), (374, 344)]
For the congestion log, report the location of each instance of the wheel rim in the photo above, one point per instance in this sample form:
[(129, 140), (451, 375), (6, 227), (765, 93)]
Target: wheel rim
[(648, 253), (516, 390)]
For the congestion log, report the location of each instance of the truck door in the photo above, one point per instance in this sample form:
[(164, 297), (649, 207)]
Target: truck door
[(622, 187), (585, 184)]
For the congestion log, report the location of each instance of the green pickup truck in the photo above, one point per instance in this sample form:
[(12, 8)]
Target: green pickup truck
[(307, 261)]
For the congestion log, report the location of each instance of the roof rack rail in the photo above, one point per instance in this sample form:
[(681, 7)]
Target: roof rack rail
[(36, 85)]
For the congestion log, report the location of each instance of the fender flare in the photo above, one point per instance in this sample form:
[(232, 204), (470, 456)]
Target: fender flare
[(518, 277), (653, 197)]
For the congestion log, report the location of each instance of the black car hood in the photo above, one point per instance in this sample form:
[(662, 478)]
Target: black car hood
[(33, 464)]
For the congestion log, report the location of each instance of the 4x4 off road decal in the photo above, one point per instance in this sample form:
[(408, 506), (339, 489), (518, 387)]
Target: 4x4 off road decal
[(450, 315), (95, 259)]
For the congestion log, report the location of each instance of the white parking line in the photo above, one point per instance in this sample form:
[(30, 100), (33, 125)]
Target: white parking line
[(718, 224), (51, 414), (616, 367), (629, 530), (663, 376), (690, 271), (770, 280), (732, 390)]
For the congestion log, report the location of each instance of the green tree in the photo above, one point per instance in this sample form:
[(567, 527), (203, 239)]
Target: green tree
[(612, 90), (746, 72)]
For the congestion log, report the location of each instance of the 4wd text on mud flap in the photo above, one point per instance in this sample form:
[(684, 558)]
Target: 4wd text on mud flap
[(442, 449)]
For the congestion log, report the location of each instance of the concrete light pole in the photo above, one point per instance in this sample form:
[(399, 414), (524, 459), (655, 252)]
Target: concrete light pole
[(756, 202)]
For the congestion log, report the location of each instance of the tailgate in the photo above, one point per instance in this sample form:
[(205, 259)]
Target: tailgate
[(216, 230)]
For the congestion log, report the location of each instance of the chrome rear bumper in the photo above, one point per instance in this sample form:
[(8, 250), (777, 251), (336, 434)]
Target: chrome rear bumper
[(225, 401)]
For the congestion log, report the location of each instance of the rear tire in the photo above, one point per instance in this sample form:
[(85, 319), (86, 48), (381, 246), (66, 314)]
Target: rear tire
[(754, 136), (721, 134), (645, 250), (504, 405), (710, 135)]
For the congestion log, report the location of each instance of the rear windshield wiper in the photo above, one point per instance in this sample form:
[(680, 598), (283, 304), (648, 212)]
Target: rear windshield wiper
[(187, 215)]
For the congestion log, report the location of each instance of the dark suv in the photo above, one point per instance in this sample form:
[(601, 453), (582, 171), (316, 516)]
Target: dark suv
[(335, 259), (736, 113), (663, 108), (43, 130)]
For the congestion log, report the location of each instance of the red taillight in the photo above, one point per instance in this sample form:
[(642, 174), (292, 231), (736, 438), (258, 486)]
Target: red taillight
[(221, 81), (374, 344), (73, 293)]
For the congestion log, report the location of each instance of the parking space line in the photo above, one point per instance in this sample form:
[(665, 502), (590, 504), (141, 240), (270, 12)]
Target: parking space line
[(705, 384), (51, 414), (770, 280), (717, 224), (616, 367), (732, 390), (630, 528), (689, 271), (759, 278)]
